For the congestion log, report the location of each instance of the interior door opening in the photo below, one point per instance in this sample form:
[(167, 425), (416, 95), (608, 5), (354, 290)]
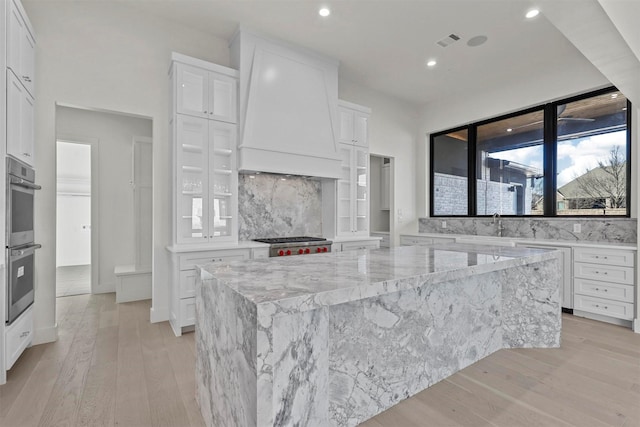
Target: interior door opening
[(73, 219), (381, 196)]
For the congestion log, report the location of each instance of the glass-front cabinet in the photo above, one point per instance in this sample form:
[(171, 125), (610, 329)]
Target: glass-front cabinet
[(207, 180), (353, 191)]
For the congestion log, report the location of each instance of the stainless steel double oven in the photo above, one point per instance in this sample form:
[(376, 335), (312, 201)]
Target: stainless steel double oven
[(20, 251)]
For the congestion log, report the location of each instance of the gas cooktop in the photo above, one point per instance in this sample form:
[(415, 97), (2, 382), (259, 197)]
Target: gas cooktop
[(300, 245)]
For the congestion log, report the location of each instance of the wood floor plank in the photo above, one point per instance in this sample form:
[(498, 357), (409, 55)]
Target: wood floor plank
[(112, 367), (132, 401), (18, 376)]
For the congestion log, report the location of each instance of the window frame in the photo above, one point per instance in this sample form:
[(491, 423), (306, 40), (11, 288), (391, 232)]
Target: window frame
[(550, 144)]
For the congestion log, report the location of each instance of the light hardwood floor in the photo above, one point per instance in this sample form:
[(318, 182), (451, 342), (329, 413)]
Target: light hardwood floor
[(112, 367)]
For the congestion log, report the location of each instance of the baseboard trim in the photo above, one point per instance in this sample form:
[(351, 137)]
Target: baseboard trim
[(159, 314), (45, 335)]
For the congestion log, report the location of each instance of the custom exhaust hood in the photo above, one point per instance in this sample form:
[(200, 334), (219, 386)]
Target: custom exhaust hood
[(288, 108)]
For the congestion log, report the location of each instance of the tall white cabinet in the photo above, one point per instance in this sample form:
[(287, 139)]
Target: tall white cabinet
[(205, 177), (346, 201), (17, 99), (20, 84)]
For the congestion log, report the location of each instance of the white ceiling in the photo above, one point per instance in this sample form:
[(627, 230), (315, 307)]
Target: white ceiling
[(384, 44)]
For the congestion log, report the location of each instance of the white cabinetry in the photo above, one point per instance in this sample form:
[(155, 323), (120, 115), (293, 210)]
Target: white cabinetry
[(20, 121), (18, 336), (206, 180), (353, 192), (353, 245), (20, 84), (183, 301), (604, 284), (385, 239), (354, 124), (407, 240), (21, 46), (205, 94)]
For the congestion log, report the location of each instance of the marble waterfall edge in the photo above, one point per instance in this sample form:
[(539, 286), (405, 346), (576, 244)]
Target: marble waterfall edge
[(317, 360)]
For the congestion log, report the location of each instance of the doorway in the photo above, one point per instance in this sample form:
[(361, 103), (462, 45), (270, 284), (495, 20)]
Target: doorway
[(381, 198), (73, 218)]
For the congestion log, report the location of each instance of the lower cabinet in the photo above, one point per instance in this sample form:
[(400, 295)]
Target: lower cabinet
[(604, 284), (183, 301), (18, 336), (406, 240), (385, 239), (353, 245)]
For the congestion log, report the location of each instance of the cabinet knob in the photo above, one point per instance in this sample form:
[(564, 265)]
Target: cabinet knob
[(205, 112), (26, 154)]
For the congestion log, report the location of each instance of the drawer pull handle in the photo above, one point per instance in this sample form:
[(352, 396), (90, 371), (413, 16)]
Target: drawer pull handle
[(24, 334), (597, 289)]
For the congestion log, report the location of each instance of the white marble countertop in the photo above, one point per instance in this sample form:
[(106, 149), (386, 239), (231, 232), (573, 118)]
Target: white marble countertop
[(335, 278), (518, 240)]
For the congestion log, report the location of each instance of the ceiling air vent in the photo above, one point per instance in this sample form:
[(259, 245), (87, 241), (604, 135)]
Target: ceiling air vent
[(450, 39)]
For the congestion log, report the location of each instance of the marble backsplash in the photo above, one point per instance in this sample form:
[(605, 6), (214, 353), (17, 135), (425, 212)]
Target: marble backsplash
[(612, 230), (272, 205)]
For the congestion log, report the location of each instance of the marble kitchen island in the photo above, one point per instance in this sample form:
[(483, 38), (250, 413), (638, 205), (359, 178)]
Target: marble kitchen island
[(334, 339)]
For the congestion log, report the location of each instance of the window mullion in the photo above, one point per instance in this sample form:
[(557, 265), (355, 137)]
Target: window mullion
[(472, 181)]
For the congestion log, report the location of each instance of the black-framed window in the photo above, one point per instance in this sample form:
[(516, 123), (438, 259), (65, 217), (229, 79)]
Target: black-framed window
[(566, 158)]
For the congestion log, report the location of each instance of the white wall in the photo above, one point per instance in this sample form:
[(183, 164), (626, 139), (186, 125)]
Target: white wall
[(113, 136), (392, 133), (105, 55)]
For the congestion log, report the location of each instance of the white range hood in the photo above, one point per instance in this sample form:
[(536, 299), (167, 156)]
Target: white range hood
[(288, 108)]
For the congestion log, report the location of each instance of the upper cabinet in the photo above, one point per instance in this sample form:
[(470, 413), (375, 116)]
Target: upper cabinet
[(21, 46), (354, 124), (206, 94), (20, 121), (204, 140)]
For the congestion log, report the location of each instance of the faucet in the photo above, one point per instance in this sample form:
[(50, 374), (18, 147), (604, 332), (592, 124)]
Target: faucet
[(500, 227)]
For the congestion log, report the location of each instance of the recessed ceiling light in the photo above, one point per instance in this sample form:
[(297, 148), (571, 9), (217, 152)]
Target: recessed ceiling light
[(509, 130), (624, 109), (431, 63), (324, 12), (614, 95), (532, 13)]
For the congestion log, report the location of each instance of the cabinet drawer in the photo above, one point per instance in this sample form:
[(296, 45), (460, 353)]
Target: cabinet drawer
[(604, 256), (18, 337), (188, 262), (607, 273), (619, 310), (423, 241), (368, 244), (259, 253), (412, 241), (187, 312), (188, 283), (612, 291)]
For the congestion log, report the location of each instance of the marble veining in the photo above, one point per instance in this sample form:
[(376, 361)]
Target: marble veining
[(272, 205), (340, 337), (611, 230)]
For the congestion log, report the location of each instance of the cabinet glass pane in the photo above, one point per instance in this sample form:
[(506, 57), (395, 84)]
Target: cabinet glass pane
[(222, 219), (223, 137), (192, 184)]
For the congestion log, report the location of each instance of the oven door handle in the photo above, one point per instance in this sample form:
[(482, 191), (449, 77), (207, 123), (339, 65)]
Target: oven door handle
[(23, 183), (25, 251)]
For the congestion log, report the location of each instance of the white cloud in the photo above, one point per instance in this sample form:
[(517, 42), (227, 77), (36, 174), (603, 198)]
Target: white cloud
[(585, 154)]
